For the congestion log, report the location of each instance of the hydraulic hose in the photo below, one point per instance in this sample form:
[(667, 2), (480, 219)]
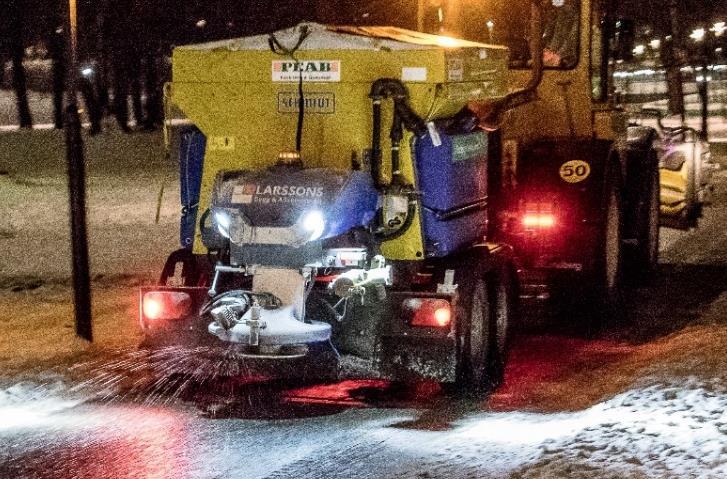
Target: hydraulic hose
[(279, 49), (376, 144), (410, 212), (403, 116)]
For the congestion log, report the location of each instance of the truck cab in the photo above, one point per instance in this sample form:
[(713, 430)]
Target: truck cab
[(578, 196)]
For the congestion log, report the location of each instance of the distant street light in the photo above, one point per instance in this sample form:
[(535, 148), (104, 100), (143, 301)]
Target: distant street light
[(718, 28), (698, 34), (490, 26)]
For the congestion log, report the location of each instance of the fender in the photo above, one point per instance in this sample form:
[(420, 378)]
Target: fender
[(641, 161), (640, 137)]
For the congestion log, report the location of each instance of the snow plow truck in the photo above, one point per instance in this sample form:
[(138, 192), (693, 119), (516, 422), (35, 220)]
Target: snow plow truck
[(391, 194)]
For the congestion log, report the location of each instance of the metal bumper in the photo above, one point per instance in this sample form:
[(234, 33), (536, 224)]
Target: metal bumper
[(274, 328)]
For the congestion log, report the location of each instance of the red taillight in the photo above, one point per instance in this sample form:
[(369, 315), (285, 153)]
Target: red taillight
[(163, 305), (538, 220), (442, 316), (538, 215), (427, 312)]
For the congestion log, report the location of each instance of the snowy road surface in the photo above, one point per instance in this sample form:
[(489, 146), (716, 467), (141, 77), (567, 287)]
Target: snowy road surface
[(644, 399)]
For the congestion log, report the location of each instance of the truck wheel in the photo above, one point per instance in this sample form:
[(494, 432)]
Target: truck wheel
[(607, 298), (501, 317), (646, 256), (475, 320)]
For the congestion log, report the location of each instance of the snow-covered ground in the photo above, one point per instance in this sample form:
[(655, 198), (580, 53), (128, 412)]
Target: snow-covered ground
[(125, 176), (648, 400)]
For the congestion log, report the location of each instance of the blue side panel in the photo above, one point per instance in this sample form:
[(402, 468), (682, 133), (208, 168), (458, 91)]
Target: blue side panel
[(354, 206), (452, 175), (191, 159)]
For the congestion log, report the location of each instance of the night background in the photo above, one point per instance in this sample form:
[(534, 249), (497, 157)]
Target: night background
[(127, 44), (641, 394), (167, 22)]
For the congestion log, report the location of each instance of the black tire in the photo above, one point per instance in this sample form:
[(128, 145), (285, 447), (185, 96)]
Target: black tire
[(607, 278), (474, 319), (502, 315), (646, 255)]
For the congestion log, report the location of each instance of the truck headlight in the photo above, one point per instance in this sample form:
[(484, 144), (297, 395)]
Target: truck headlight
[(313, 224), (223, 222)]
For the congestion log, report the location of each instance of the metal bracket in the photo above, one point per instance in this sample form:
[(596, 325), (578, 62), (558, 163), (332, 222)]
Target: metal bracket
[(255, 324), (448, 287), (220, 268)]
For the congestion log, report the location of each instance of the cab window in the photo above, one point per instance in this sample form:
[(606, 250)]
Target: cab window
[(561, 32)]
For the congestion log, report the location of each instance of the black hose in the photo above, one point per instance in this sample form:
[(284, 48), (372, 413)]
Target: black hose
[(301, 113), (409, 118), (376, 144), (388, 88), (410, 212), (403, 116), (279, 49)]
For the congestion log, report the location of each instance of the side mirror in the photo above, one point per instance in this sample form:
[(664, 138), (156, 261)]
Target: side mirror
[(623, 39)]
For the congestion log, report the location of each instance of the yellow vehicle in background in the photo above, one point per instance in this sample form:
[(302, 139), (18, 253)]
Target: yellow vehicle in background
[(685, 171)]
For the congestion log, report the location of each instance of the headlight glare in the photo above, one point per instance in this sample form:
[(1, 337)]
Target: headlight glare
[(313, 224), (223, 222)]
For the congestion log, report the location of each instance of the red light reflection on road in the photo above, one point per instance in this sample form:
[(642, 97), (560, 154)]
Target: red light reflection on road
[(539, 365), (132, 443), (367, 393)]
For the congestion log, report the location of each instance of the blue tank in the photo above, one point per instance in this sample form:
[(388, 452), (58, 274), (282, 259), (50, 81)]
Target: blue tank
[(191, 159), (452, 179)]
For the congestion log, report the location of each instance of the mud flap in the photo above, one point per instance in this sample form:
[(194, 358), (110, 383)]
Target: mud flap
[(417, 358)]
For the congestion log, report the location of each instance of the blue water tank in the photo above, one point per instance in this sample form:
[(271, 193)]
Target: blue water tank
[(191, 160), (452, 179)]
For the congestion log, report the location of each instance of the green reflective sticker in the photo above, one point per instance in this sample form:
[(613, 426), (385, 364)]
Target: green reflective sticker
[(472, 146)]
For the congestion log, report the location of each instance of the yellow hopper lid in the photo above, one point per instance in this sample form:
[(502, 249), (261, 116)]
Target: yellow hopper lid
[(333, 37)]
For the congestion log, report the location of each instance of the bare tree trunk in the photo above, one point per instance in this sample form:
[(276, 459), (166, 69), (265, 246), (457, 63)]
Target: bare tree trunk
[(17, 52), (674, 53)]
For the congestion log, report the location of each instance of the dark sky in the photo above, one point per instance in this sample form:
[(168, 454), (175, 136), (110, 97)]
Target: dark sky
[(173, 21), (690, 11)]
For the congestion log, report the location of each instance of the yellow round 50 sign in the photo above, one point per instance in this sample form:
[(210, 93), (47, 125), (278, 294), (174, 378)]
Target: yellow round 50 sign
[(574, 171)]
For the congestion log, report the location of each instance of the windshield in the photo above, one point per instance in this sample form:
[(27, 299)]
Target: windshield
[(560, 35), (507, 22)]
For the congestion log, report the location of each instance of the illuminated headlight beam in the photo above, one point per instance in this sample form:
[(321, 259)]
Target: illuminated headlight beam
[(223, 222), (313, 224)]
